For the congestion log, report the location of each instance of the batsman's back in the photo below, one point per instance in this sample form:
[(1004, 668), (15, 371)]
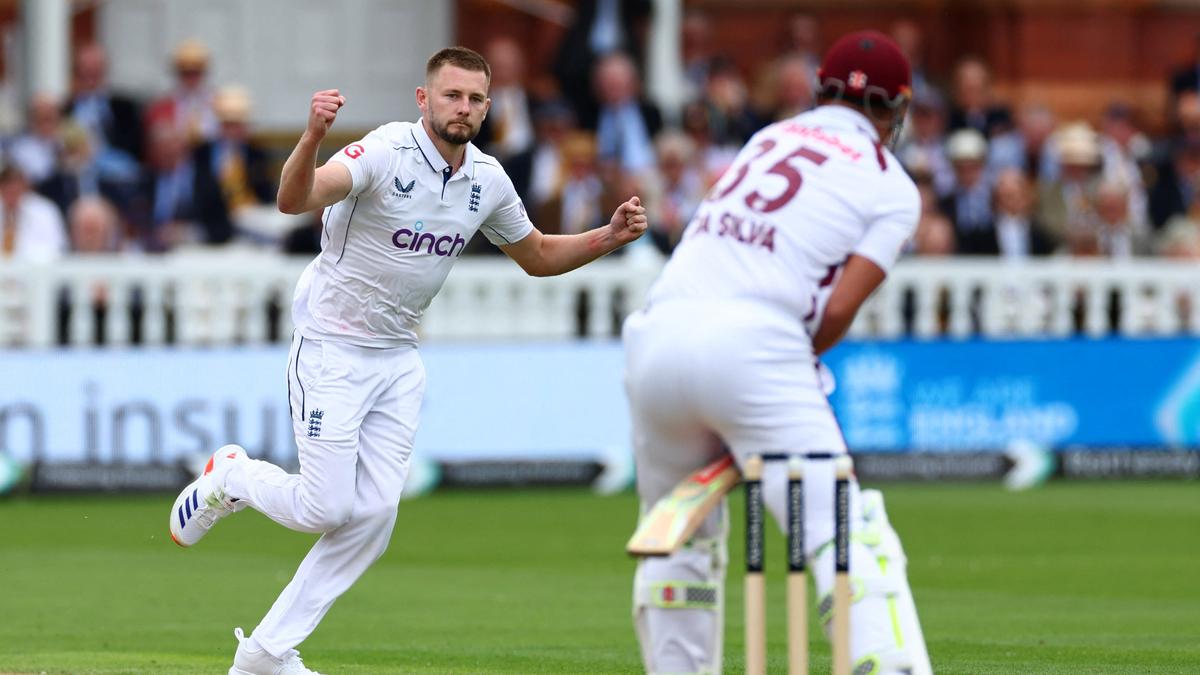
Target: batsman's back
[(800, 197)]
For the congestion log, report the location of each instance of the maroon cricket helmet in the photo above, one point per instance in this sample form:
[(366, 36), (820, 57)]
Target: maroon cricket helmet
[(867, 68)]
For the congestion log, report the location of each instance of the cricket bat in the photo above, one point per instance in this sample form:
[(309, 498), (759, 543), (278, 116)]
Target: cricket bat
[(674, 518)]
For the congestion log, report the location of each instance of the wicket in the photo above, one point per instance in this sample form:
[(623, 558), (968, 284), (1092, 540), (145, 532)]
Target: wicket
[(797, 590)]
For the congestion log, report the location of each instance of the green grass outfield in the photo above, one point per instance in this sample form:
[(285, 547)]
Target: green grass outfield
[(1070, 578)]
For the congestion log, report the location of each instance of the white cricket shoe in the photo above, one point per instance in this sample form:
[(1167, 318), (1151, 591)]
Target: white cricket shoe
[(203, 502), (252, 659)]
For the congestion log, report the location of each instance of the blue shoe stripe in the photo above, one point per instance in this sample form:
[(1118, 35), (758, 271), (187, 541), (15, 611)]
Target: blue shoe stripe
[(188, 505), (195, 500), (182, 522)]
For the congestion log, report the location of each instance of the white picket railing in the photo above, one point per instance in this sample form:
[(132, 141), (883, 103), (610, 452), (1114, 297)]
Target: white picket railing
[(1057, 297), (227, 297)]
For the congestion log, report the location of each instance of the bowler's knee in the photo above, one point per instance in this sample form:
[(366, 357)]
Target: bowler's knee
[(375, 523), (381, 515), (330, 512)]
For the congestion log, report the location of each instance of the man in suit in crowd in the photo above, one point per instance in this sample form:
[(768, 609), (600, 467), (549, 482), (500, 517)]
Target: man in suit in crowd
[(113, 120), (627, 122), (600, 27)]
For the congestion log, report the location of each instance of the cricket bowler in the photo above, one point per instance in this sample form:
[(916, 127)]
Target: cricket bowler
[(400, 206)]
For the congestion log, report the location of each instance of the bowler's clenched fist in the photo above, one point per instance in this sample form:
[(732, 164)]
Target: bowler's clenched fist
[(629, 220), (325, 105)]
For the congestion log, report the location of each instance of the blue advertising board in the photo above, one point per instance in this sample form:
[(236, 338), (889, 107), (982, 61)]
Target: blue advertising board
[(984, 395), (566, 400)]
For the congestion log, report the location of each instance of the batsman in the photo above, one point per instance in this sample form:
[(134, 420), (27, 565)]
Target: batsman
[(770, 273)]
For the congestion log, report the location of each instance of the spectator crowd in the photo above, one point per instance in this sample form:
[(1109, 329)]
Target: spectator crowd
[(102, 172)]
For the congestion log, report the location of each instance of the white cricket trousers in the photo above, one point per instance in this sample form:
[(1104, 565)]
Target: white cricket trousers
[(354, 412), (702, 376)]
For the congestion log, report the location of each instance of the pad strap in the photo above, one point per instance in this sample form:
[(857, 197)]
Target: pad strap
[(683, 595)]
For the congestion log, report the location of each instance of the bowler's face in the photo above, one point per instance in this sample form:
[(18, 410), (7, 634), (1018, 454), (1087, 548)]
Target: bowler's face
[(455, 103)]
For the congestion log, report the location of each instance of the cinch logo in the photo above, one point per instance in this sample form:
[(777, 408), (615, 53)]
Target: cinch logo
[(414, 240)]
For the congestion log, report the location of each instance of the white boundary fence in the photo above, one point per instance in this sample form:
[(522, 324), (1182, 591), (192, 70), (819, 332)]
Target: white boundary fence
[(227, 297), (1056, 297)]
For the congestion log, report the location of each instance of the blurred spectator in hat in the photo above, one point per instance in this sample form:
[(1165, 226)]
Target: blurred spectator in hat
[(969, 205), (1026, 147), (924, 142), (1017, 234), (626, 122), (240, 166), (78, 174), (1124, 153), (114, 121), (975, 106), (598, 28), (189, 107), (1176, 182), (730, 117), (507, 131), (94, 225), (31, 227), (179, 201), (1066, 205), (681, 191), (35, 151), (907, 34)]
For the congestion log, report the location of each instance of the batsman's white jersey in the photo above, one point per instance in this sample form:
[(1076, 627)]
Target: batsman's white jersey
[(386, 249), (801, 196), (722, 357), (355, 380)]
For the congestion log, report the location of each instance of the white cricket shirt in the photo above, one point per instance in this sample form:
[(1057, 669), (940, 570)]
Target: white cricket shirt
[(802, 195), (386, 249)]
